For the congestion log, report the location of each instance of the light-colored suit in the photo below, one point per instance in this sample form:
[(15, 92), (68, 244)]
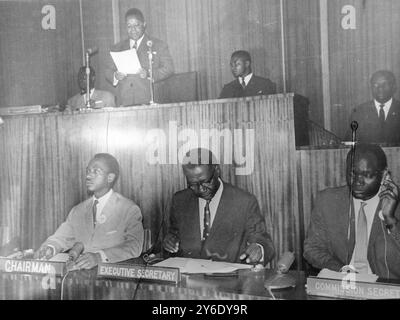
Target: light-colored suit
[(120, 237)]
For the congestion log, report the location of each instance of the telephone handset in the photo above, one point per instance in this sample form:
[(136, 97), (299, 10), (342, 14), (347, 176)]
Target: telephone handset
[(385, 177)]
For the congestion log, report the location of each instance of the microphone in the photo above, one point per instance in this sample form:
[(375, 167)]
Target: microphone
[(93, 50), (280, 279), (354, 127), (75, 251)]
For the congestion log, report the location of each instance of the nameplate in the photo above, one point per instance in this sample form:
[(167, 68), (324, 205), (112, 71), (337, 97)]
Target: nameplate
[(132, 271), (20, 110), (346, 289), (32, 266)]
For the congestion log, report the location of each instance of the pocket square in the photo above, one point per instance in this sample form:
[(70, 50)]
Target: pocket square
[(111, 232)]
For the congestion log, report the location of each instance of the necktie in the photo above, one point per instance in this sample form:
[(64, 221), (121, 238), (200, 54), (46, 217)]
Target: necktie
[(361, 247), (382, 115), (242, 82), (207, 220), (94, 209), (134, 45)]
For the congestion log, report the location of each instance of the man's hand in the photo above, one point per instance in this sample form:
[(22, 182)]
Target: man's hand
[(390, 199), (119, 75), (143, 73), (88, 260), (252, 254), (44, 253), (171, 243)]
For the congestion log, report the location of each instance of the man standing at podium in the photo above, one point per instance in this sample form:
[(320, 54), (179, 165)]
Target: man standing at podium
[(214, 220), (108, 225), (246, 84), (134, 89), (358, 224)]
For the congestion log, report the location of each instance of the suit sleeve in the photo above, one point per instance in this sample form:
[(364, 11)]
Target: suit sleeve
[(64, 237), (256, 230), (173, 220), (271, 88), (166, 66), (316, 244), (133, 238), (109, 100)]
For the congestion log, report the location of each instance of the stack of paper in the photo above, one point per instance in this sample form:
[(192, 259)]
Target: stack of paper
[(188, 265)]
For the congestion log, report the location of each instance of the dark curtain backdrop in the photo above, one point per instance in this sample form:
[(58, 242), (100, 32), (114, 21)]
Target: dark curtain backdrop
[(37, 66)]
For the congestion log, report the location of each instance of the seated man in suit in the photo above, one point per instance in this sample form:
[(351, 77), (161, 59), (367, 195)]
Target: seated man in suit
[(246, 84), (358, 224), (98, 98), (214, 220), (108, 225), (135, 88), (379, 119)]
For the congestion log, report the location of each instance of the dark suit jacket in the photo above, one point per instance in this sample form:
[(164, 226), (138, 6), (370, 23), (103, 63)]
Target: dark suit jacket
[(369, 128), (257, 86), (237, 222), (327, 244), (133, 89)]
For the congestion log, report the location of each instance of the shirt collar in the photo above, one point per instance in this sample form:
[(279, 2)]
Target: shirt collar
[(374, 201), (247, 78), (138, 42), (386, 108), (104, 198)]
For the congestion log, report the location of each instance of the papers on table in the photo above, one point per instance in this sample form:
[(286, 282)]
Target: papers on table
[(126, 61), (362, 277), (60, 257), (188, 265)]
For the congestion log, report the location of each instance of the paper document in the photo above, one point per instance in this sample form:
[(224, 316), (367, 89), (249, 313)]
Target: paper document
[(188, 265), (361, 277), (126, 61), (60, 257)]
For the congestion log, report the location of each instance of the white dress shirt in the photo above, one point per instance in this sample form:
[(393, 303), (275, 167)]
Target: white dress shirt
[(386, 108), (247, 78), (369, 209)]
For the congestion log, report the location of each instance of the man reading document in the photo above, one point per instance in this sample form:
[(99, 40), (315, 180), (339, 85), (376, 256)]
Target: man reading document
[(130, 75)]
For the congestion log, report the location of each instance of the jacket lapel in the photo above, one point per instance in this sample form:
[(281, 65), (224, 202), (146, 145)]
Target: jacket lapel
[(223, 213)]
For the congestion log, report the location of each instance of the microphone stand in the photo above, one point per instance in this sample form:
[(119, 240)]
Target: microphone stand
[(87, 94), (150, 54), (354, 127)]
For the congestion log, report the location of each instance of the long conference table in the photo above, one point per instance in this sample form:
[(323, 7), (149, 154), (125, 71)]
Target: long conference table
[(85, 285)]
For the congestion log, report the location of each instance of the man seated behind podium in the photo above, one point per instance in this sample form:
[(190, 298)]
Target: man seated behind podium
[(214, 220), (134, 89), (97, 98), (368, 240), (246, 83), (108, 225), (379, 119)]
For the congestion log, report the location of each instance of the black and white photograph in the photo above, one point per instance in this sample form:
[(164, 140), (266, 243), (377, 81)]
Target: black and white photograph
[(218, 151)]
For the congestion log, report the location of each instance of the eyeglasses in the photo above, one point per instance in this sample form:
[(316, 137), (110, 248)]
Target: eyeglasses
[(365, 174), (94, 171), (205, 184)]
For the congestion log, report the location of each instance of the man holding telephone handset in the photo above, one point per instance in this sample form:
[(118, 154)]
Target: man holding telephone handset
[(357, 226)]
